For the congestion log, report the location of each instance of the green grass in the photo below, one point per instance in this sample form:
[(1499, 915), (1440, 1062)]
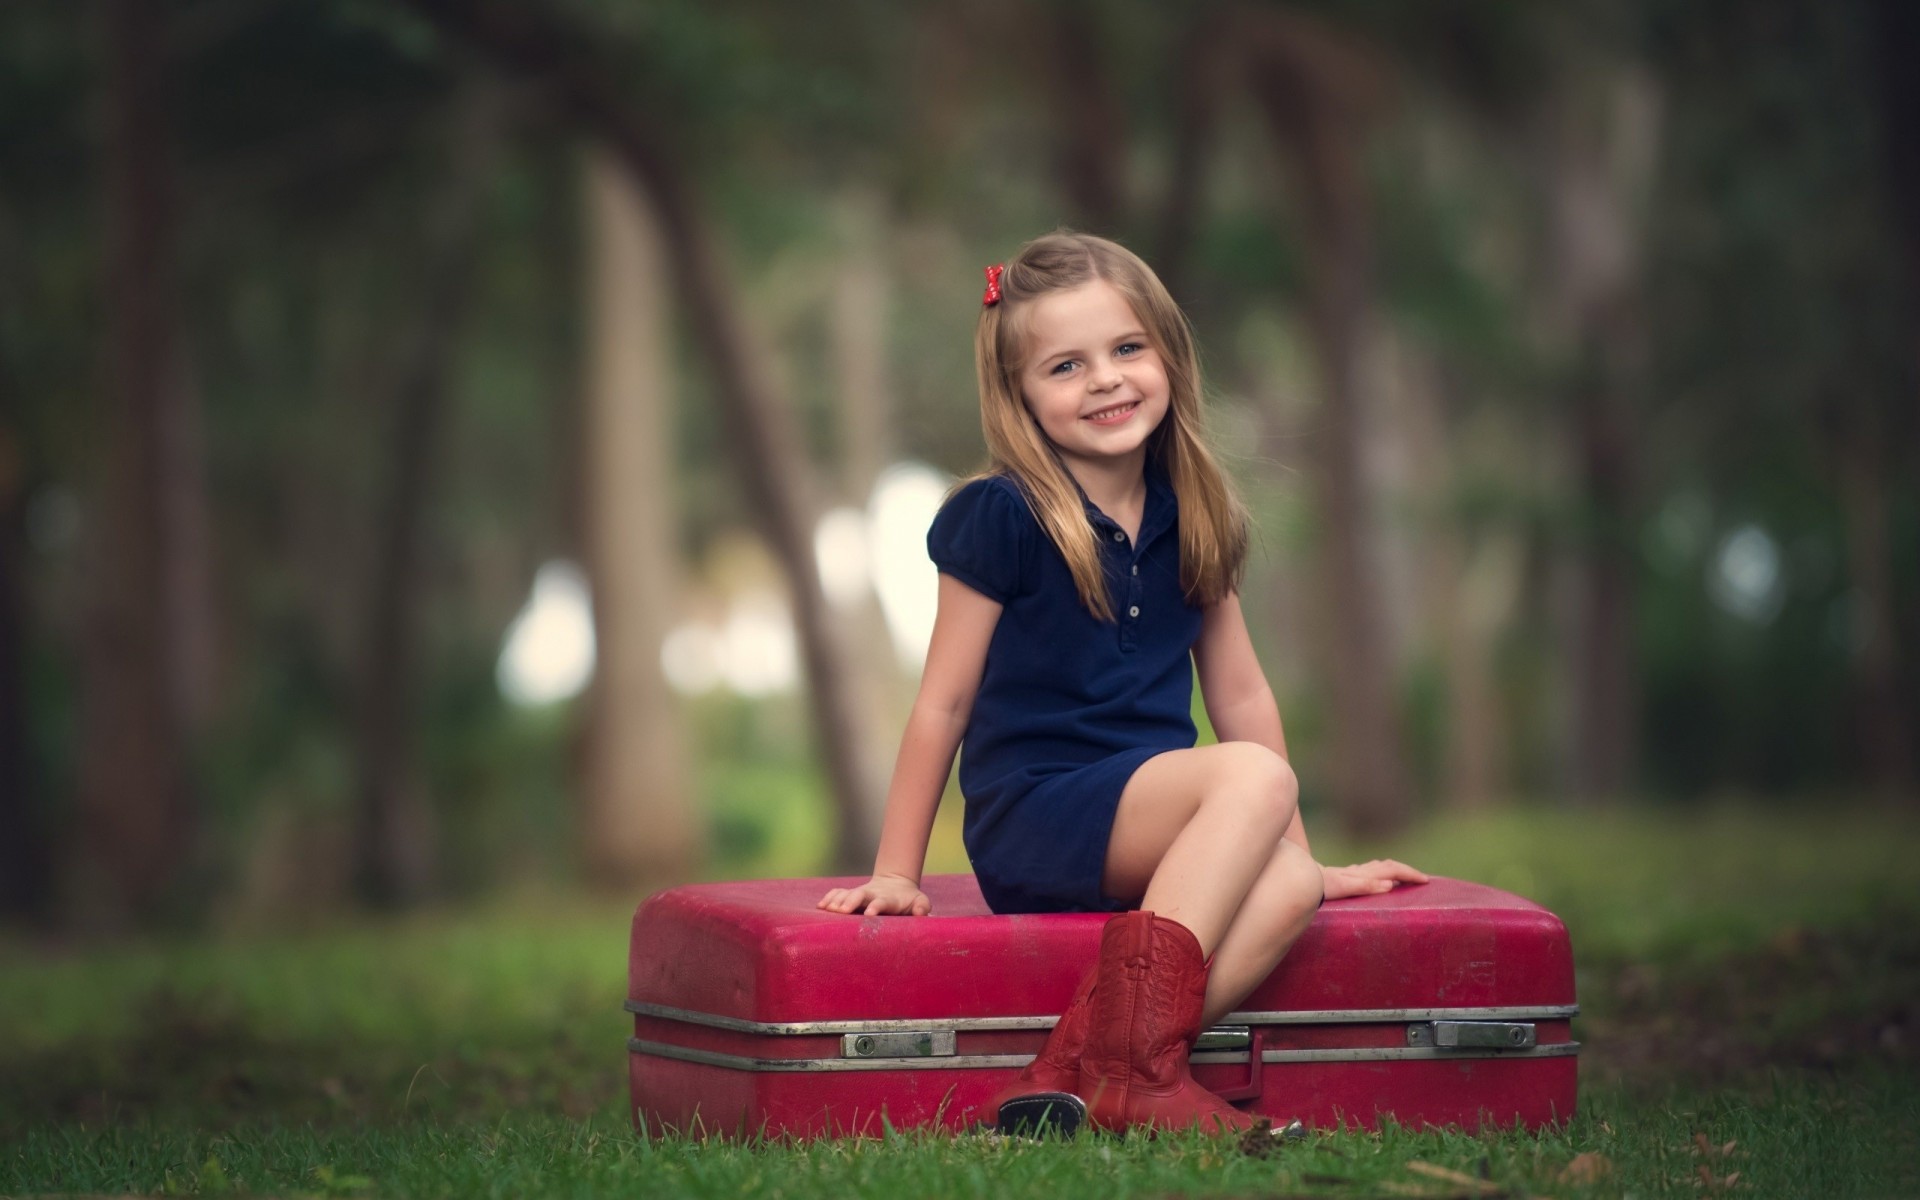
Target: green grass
[(1745, 978), (1796, 1139)]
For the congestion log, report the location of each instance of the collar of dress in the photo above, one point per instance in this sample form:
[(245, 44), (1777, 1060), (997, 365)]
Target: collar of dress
[(1159, 509)]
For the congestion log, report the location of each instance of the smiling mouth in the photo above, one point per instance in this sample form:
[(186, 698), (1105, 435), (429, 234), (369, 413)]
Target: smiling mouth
[(1108, 414)]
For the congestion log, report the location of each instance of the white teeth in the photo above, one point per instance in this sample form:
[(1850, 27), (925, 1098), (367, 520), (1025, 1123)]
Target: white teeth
[(1116, 409)]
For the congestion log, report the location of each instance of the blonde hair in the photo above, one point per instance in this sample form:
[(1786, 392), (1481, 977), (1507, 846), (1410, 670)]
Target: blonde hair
[(1213, 521)]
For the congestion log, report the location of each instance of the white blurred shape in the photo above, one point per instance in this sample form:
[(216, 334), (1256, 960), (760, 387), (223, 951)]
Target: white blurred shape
[(760, 656), (903, 504), (549, 649), (692, 659), (840, 549), (1746, 579)]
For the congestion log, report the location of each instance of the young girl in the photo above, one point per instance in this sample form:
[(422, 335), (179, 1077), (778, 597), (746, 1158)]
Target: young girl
[(1083, 579)]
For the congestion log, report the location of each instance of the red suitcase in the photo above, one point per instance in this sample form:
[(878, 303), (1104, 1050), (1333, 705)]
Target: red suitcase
[(754, 1012)]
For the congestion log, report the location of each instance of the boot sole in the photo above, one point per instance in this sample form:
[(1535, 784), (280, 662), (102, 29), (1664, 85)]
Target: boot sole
[(1057, 1113)]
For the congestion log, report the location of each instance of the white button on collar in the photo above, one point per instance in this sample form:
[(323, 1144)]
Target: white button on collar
[(1134, 611)]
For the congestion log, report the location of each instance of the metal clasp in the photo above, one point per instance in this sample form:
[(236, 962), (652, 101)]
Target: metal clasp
[(1246, 1039), (916, 1043), (1224, 1037), (1472, 1035)]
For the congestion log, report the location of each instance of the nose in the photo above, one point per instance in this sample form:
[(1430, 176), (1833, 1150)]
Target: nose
[(1103, 375)]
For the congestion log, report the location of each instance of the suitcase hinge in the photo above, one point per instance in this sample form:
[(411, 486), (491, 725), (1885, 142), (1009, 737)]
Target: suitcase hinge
[(1472, 1035), (916, 1043)]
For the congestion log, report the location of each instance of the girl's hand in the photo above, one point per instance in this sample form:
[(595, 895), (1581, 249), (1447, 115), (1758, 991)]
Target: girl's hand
[(1368, 878), (878, 896)]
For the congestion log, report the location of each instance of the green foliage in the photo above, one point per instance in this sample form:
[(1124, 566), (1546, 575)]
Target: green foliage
[(311, 145), (766, 821)]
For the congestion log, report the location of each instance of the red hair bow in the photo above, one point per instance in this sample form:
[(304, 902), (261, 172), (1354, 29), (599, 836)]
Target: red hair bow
[(993, 285)]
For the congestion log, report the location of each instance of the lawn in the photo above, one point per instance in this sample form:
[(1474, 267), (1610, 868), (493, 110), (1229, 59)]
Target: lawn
[(1750, 983)]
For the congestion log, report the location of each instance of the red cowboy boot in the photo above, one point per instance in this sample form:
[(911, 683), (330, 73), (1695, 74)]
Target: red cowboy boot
[(1145, 1018), (1043, 1097)]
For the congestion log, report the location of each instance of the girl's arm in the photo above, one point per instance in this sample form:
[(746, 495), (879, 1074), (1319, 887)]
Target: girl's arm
[(1234, 688), (956, 658), (1242, 708)]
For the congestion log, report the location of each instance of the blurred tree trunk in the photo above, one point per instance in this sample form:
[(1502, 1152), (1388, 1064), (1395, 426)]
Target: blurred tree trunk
[(25, 858), (1465, 589), (1071, 61), (1195, 103), (138, 819), (858, 306), (1075, 66), (1486, 577), (1896, 26), (769, 455), (639, 821), (1318, 94), (394, 836), (857, 309), (26, 849), (1885, 671), (945, 65), (1885, 726), (1597, 150)]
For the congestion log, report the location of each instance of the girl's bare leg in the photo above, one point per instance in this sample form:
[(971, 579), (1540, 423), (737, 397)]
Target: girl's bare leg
[(1196, 831), (1277, 910)]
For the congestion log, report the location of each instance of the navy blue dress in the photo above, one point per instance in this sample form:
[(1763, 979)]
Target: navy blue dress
[(1068, 706)]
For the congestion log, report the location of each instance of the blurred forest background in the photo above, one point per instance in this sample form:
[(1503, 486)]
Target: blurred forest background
[(457, 445)]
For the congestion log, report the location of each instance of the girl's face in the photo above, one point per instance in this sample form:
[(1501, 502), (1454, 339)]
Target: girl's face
[(1092, 379)]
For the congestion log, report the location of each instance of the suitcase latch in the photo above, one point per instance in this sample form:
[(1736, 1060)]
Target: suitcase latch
[(1224, 1037), (1472, 1035), (912, 1043)]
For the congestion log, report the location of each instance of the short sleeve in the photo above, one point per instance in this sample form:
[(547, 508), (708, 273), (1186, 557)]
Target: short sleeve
[(982, 536)]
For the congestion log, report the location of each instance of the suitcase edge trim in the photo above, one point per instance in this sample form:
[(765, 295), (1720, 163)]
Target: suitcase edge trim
[(741, 1062), (1328, 1016)]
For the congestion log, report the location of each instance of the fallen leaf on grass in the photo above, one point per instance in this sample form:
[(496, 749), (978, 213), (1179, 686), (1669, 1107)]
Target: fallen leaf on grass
[(1464, 1187), (1258, 1141), (1714, 1185), (1469, 1185), (1263, 1140), (1590, 1167)]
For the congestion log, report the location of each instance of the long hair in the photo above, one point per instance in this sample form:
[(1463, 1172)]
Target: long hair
[(1213, 521)]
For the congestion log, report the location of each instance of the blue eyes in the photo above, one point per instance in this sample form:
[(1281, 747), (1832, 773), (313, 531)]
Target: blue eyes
[(1123, 350)]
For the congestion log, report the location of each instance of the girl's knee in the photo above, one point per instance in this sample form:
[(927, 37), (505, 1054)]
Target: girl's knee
[(1264, 780)]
